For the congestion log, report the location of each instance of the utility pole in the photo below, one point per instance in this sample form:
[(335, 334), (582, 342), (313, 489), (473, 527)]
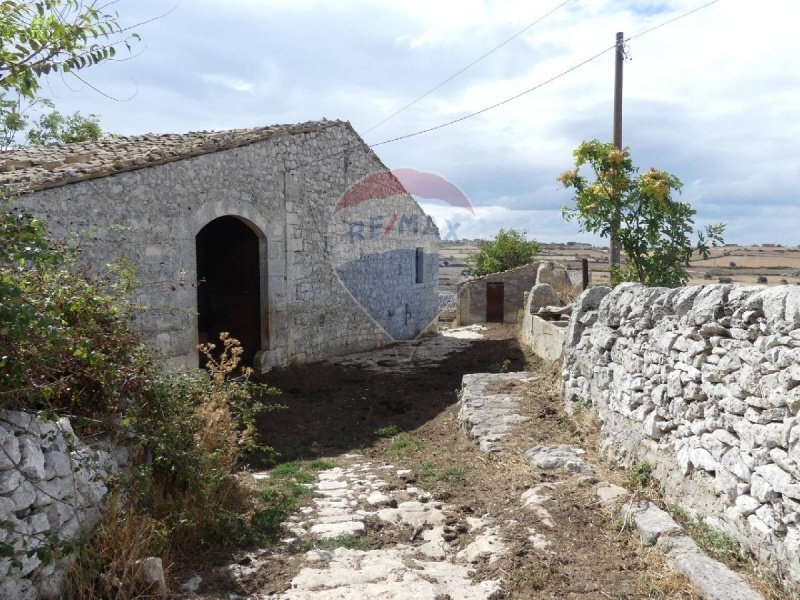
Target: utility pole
[(614, 252)]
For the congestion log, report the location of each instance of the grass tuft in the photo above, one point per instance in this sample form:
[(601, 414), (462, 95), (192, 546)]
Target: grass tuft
[(454, 475), (287, 488), (387, 432), (405, 443), (717, 543)]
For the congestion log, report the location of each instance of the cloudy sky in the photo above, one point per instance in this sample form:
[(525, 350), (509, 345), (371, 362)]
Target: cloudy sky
[(713, 98)]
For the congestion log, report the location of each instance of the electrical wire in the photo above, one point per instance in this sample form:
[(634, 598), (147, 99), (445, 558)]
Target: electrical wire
[(501, 103), (546, 82), (360, 145), (469, 66), (669, 22)]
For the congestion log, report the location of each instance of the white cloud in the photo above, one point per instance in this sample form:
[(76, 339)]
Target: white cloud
[(713, 98), (230, 83)]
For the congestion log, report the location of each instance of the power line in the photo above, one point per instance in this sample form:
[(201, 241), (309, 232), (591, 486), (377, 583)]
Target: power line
[(469, 66), (506, 101), (363, 146), (546, 82), (678, 18)]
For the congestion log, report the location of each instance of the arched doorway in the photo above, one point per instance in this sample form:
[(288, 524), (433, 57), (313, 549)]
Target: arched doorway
[(228, 293)]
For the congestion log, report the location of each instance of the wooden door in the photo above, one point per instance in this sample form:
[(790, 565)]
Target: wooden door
[(494, 302)]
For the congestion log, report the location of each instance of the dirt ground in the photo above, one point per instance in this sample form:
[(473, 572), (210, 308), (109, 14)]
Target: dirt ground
[(335, 409)]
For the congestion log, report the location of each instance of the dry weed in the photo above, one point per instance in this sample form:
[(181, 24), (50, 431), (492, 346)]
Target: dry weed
[(107, 567)]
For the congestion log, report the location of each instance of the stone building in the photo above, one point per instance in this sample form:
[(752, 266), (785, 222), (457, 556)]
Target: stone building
[(294, 238), (498, 297)]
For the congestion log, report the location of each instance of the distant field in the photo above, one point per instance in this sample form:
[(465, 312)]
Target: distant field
[(749, 263), (752, 262)]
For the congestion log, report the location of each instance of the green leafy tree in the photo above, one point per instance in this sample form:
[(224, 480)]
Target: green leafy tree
[(654, 229), (40, 37), (55, 128), (509, 248)]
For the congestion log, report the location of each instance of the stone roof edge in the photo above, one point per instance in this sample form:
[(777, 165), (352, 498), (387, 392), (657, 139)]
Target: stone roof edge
[(23, 189)]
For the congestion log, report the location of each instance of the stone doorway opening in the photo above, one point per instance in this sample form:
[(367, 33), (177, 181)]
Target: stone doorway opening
[(229, 288)]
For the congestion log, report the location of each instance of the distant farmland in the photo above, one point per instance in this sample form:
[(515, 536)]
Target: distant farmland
[(742, 264)]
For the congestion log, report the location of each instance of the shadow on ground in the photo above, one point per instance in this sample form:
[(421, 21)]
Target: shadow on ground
[(335, 408)]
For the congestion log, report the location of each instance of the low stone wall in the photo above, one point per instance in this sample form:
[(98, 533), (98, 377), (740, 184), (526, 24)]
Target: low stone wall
[(704, 383), (544, 338), (51, 484)]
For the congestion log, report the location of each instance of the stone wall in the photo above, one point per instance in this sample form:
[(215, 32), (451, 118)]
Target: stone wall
[(51, 484), (316, 299), (704, 383), (471, 299), (543, 338)]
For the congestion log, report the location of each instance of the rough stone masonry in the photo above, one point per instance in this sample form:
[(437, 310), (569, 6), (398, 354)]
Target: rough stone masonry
[(704, 383), (51, 487), (339, 257)]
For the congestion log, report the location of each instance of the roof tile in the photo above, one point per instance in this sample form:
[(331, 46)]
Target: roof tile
[(40, 167)]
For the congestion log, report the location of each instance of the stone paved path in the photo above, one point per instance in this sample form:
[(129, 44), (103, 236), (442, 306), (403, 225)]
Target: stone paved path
[(529, 519), (425, 566)]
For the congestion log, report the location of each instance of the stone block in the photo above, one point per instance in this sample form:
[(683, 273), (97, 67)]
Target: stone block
[(31, 463), (9, 448), (151, 574), (10, 481), (715, 580), (542, 295), (651, 522), (561, 457), (24, 496)]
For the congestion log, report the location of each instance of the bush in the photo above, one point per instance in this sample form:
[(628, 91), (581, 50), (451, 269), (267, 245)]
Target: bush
[(761, 279), (641, 475), (66, 348), (192, 430), (65, 344)]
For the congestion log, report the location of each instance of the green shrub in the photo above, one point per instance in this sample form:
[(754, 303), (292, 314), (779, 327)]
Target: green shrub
[(65, 343), (67, 348), (641, 474)]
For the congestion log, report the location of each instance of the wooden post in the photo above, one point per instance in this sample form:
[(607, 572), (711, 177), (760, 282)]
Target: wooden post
[(585, 270), (614, 259)]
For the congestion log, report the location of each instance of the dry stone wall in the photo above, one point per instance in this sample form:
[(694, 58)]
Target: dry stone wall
[(51, 489), (704, 383)]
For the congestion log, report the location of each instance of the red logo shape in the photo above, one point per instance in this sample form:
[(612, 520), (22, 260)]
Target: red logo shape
[(399, 181)]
